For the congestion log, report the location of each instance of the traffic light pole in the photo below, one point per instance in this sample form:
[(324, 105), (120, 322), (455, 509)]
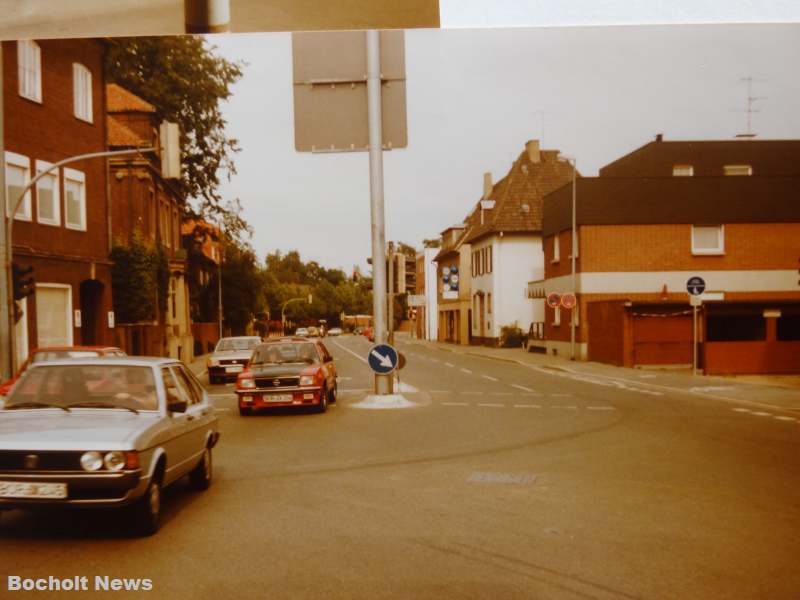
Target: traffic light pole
[(7, 315), (383, 383), (6, 299)]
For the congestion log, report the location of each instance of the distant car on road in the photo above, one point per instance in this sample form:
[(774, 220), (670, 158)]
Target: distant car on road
[(313, 331), (50, 353), (301, 332), (369, 333), (230, 357), (335, 331), (288, 371), (105, 432)]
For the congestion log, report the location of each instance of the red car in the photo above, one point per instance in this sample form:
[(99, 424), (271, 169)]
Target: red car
[(289, 371), (57, 352), (369, 333)]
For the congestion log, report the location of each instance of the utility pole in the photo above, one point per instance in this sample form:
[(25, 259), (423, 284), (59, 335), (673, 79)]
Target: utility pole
[(390, 298), (383, 383), (6, 299)]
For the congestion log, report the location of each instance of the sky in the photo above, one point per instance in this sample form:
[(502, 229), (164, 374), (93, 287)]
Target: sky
[(475, 96)]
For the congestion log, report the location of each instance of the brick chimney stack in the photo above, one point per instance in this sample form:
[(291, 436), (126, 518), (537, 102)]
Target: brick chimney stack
[(487, 186), (532, 147)]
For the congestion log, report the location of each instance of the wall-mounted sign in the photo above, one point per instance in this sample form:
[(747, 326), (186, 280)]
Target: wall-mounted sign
[(76, 318), (553, 299), (568, 300), (111, 319)]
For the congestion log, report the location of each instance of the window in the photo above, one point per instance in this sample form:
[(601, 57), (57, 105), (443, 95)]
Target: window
[(82, 92), (475, 311), (489, 259), (557, 315), (738, 170), (18, 175), (489, 303), (53, 314), (183, 384), (682, 170), (29, 70), (74, 200), (48, 200), (736, 328), (556, 249), (708, 239)]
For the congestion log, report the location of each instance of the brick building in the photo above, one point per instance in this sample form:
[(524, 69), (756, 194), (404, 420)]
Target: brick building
[(664, 213), (145, 204), (54, 98), (453, 286)]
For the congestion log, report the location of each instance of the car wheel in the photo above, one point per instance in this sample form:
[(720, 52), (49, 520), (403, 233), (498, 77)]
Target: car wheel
[(334, 393), (245, 412), (200, 477), (147, 510), (212, 380), (323, 401)]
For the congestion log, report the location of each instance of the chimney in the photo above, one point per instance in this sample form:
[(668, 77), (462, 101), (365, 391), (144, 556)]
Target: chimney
[(532, 147), (487, 186)]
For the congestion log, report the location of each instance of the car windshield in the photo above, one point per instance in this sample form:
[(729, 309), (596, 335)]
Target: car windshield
[(237, 344), (284, 353), (50, 355), (92, 386)]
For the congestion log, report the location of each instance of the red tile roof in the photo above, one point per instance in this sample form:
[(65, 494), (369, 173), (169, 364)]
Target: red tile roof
[(121, 135), (118, 99), (519, 196)]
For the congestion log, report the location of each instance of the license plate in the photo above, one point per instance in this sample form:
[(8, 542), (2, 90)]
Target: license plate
[(23, 489), (278, 398), (234, 369)]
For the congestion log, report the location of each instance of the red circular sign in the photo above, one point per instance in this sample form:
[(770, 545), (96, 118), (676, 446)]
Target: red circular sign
[(553, 299), (568, 300)]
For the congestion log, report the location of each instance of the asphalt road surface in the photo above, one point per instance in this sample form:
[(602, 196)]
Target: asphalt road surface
[(501, 481)]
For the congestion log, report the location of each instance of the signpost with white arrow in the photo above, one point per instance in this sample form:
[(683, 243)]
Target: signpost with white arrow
[(383, 359), (695, 286)]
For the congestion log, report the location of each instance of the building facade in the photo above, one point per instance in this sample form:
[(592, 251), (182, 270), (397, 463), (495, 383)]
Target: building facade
[(427, 316), (54, 99), (453, 286)]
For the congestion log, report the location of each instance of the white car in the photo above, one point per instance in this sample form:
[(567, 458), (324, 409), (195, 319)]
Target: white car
[(230, 357), (108, 432)]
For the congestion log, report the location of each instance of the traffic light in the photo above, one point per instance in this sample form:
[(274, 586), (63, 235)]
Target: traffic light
[(23, 281)]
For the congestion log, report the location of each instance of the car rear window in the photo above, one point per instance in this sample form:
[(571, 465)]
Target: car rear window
[(49, 355), (237, 344)]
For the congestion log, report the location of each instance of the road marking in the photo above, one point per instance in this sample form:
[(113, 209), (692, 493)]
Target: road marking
[(433, 360), (358, 356), (562, 406), (781, 418), (492, 404), (601, 408), (527, 406), (741, 410), (339, 378), (761, 414), (455, 403), (441, 391), (522, 387), (512, 478), (502, 393), (490, 378), (449, 365), (222, 409), (466, 371)]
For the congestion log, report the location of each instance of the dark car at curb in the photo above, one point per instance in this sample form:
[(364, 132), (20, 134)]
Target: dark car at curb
[(286, 372)]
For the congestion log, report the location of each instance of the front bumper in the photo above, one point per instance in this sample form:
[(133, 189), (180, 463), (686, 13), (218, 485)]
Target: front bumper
[(83, 489), (258, 398)]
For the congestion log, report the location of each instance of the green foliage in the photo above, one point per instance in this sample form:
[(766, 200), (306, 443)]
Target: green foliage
[(511, 336), (185, 81), (139, 280), (242, 286), (432, 243)]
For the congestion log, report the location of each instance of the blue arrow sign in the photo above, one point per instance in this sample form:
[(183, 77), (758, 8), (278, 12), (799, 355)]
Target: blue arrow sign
[(695, 286), (383, 359)]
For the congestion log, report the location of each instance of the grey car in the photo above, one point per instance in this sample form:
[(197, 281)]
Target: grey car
[(110, 432), (230, 357)]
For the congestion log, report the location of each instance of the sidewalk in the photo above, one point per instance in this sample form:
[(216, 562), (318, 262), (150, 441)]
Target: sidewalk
[(777, 391), (198, 365)]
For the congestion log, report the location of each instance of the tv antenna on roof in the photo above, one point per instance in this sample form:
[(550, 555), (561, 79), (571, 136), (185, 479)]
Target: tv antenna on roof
[(541, 114), (750, 110)]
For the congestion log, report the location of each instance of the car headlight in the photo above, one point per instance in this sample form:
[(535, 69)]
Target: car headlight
[(92, 461), (247, 382), (114, 460), (307, 380)]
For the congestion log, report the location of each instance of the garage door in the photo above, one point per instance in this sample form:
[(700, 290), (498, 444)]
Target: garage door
[(663, 340), (54, 315)]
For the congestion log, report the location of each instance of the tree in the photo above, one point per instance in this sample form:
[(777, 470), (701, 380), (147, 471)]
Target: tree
[(185, 81)]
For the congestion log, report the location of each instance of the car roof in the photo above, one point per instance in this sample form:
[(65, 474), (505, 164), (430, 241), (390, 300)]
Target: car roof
[(241, 337), (139, 361), (76, 348), (286, 339)]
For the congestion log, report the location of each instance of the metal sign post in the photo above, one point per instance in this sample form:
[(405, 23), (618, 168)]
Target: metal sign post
[(695, 286), (6, 299)]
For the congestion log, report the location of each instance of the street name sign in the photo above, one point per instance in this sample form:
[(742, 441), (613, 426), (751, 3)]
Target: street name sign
[(696, 285), (416, 300), (383, 359)]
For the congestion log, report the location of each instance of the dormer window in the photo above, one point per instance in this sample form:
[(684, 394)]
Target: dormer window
[(738, 170), (682, 170)]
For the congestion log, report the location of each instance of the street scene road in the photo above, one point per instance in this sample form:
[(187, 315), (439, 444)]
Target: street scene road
[(507, 479)]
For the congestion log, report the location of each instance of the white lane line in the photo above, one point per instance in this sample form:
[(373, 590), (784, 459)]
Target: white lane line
[(781, 418), (566, 407), (741, 410), (522, 387), (441, 391), (449, 365), (358, 356), (601, 408), (561, 395), (466, 371), (527, 406), (490, 378), (222, 409), (455, 403), (502, 393), (761, 414), (491, 404)]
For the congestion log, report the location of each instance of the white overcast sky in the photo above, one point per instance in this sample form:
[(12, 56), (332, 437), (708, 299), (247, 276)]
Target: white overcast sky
[(475, 95)]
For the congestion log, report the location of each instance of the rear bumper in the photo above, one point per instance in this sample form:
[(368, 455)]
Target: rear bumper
[(221, 373), (83, 489)]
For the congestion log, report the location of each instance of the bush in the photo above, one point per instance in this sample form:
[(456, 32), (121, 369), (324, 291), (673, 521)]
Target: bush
[(511, 336)]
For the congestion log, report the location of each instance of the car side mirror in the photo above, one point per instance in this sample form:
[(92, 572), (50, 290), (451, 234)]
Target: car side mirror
[(177, 406)]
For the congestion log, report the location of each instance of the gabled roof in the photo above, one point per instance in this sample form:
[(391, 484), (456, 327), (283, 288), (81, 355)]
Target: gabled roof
[(520, 194), (120, 134), (118, 100)]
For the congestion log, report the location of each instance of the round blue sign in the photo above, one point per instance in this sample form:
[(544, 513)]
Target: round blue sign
[(383, 359), (695, 286)]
